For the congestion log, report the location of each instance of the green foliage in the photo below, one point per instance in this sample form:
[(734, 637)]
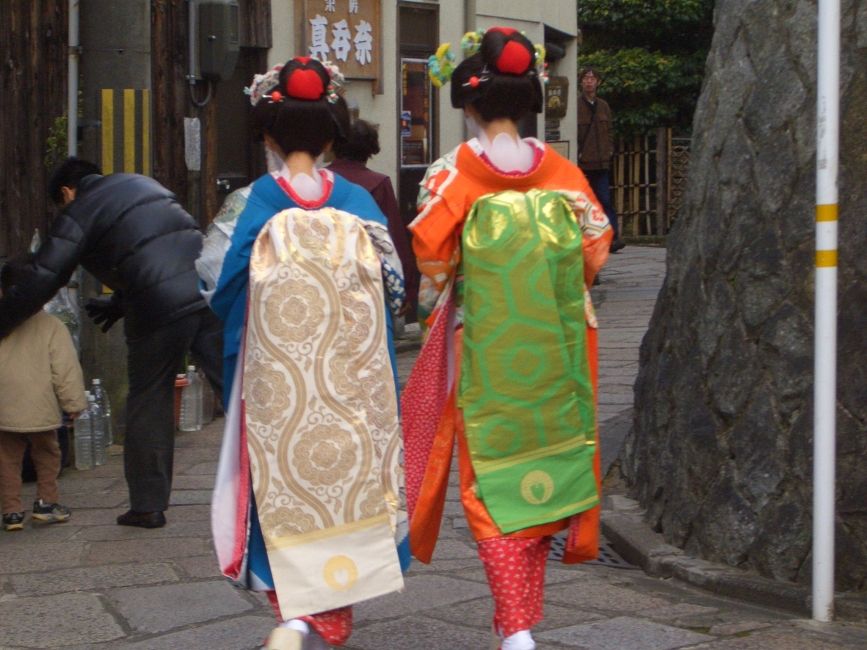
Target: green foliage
[(56, 142), (651, 56), (644, 16)]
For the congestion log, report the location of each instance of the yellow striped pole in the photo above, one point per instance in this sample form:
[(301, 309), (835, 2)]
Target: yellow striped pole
[(129, 131), (126, 131), (825, 363), (146, 132), (107, 131)]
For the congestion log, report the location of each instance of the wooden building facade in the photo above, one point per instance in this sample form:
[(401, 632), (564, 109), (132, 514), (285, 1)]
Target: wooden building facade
[(33, 105), (33, 80)]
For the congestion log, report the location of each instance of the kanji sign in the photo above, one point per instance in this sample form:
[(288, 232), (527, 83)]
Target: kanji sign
[(345, 32)]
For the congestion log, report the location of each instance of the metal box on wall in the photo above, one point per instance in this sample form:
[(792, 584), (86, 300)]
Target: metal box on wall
[(219, 38)]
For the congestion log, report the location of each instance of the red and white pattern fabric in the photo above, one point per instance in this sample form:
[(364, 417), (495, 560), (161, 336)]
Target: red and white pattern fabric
[(334, 626), (423, 400), (516, 574)]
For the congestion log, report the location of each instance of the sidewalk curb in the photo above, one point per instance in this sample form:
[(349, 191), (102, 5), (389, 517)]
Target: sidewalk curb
[(624, 527)]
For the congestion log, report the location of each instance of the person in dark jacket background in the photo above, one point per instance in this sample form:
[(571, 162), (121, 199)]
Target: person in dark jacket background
[(134, 237)]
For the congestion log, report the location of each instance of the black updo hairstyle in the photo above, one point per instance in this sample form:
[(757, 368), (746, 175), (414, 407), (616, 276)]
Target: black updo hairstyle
[(499, 81), (297, 113), (363, 142)]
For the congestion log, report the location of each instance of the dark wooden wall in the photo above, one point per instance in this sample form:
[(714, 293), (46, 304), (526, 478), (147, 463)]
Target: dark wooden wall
[(33, 74), (172, 101), (33, 85)]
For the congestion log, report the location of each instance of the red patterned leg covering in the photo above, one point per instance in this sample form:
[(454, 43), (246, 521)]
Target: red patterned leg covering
[(334, 626), (515, 567)]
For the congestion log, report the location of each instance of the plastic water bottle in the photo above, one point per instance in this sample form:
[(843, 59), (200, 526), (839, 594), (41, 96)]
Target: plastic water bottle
[(97, 420), (84, 438), (191, 402), (101, 396)]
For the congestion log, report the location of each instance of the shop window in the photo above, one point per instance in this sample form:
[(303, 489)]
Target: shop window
[(416, 137)]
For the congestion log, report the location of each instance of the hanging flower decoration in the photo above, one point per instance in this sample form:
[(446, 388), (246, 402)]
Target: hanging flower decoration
[(472, 42), (441, 65), (335, 86), (541, 64)]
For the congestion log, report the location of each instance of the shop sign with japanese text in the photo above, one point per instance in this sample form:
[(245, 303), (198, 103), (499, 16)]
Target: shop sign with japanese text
[(556, 97), (345, 32)]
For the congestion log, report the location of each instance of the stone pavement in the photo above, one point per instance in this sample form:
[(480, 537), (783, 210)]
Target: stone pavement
[(91, 584)]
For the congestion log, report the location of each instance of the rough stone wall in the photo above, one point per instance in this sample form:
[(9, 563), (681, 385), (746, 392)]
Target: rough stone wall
[(721, 450)]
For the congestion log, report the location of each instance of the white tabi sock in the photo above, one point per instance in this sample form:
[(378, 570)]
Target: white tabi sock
[(297, 624), (522, 640)]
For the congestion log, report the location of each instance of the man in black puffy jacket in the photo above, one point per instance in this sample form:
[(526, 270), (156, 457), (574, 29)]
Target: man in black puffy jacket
[(134, 237)]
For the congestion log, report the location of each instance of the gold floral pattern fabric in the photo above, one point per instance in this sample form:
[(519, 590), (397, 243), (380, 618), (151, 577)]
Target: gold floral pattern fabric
[(321, 409)]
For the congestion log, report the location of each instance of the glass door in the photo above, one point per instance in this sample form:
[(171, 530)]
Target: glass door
[(416, 132)]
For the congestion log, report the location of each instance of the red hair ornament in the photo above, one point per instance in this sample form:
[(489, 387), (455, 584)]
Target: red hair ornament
[(305, 84), (514, 59)]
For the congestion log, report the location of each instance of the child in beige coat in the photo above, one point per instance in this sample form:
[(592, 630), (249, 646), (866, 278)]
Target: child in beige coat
[(39, 378)]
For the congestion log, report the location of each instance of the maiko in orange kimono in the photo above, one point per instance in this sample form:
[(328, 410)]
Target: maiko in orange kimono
[(432, 418)]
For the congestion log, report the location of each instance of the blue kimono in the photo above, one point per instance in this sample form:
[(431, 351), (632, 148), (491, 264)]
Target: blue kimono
[(229, 301), (266, 199)]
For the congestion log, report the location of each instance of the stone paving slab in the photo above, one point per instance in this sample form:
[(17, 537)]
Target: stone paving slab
[(130, 550), (56, 621), (179, 605), (92, 578), (422, 592), (107, 500), (198, 566), (775, 640), (462, 565), (238, 633), (190, 497), (20, 558), (193, 483), (603, 597), (624, 632), (207, 468), (38, 533), (114, 532), (418, 633)]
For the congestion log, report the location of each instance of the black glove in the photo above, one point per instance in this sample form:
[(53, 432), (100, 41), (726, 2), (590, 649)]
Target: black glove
[(104, 311)]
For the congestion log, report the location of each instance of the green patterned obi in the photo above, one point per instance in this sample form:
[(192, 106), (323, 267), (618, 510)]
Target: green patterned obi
[(525, 386)]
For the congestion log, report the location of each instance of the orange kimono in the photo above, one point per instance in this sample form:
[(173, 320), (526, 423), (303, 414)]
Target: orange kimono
[(514, 562), (449, 190)]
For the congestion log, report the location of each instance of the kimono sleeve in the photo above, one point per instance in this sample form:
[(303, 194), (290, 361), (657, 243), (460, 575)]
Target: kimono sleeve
[(595, 227), (436, 233), (235, 271)]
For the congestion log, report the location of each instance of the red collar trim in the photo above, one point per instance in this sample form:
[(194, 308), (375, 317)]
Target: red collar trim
[(327, 188)]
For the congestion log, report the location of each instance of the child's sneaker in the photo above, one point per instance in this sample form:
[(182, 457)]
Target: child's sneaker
[(13, 521), (50, 512)]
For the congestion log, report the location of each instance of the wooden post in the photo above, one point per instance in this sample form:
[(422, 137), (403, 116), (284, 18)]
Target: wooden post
[(663, 161), (33, 51), (635, 188), (169, 28)]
